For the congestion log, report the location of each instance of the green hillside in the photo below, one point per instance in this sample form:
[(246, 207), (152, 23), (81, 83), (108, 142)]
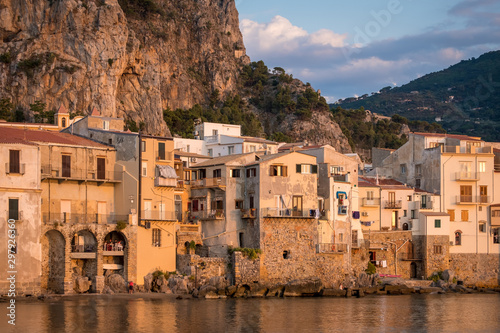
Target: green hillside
[(464, 98)]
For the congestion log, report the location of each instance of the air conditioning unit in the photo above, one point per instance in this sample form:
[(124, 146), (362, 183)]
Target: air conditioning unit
[(193, 159)]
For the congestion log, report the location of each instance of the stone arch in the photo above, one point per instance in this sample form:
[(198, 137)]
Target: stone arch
[(115, 254), (53, 261)]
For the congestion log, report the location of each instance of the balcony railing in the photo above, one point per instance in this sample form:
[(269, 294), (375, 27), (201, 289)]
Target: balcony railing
[(389, 204), (467, 176), (340, 178), (165, 182), (83, 248), (368, 202), (470, 199), (467, 150), (56, 172), (211, 139), (214, 214), (250, 213), (69, 218), (158, 215), (209, 182), (275, 212), (426, 205), (331, 248), (15, 168)]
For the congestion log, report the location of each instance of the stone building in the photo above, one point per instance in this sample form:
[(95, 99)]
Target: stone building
[(20, 220)]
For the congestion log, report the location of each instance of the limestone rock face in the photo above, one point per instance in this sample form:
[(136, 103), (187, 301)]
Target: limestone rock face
[(303, 287), (124, 58), (116, 283), (81, 284)]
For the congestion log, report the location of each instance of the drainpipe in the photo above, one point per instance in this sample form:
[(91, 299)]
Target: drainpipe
[(139, 195)]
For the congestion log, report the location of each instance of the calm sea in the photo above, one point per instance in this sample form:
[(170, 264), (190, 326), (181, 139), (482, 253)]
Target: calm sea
[(415, 313)]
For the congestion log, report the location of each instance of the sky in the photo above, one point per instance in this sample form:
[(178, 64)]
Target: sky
[(351, 48)]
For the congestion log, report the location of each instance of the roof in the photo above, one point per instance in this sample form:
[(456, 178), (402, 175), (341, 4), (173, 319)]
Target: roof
[(188, 154), (265, 158), (434, 214), (220, 160), (384, 183), (38, 136), (256, 140), (362, 183), (451, 136), (62, 110)]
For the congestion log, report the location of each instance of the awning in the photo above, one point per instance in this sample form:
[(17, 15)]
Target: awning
[(166, 171)]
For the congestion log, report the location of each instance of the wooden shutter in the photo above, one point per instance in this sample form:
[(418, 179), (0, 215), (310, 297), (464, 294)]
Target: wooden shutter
[(298, 168), (314, 168), (14, 165), (285, 171)]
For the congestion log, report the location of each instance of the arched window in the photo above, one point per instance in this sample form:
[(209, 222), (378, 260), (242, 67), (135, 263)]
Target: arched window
[(458, 237), (405, 226), (63, 123)]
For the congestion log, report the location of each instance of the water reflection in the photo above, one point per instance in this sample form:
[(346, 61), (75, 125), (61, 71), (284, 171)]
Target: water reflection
[(416, 313)]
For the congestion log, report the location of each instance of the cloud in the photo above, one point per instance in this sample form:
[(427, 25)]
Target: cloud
[(327, 60)]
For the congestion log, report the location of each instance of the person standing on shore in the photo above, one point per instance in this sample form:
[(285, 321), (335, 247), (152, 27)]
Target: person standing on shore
[(131, 287)]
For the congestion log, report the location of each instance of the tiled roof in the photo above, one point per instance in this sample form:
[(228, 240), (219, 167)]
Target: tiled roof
[(257, 140), (451, 136), (188, 154), (48, 137), (220, 160), (384, 183)]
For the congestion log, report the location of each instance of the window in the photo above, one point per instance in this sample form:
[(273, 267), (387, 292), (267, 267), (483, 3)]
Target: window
[(418, 169), (306, 168), (482, 226), (369, 195), (251, 202), (496, 237), (252, 149), (238, 204), (202, 174), (110, 141), (418, 183), (66, 166), (458, 238), (235, 173), (483, 194), (144, 169), (230, 150), (465, 193), (14, 209), (156, 237), (161, 150), (215, 132), (188, 148), (466, 169), (217, 173), (423, 201), (210, 152), (408, 198), (482, 166), (413, 214), (14, 161), (251, 172), (495, 213), (194, 205), (336, 170), (437, 223), (63, 122), (187, 175), (241, 239), (404, 212), (278, 170), (465, 216), (105, 124), (402, 168), (286, 254), (438, 249), (101, 168), (451, 212), (143, 145)]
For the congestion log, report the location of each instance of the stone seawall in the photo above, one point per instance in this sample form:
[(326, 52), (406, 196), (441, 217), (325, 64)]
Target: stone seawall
[(482, 270)]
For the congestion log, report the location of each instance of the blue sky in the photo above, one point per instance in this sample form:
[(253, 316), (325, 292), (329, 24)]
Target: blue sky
[(357, 47)]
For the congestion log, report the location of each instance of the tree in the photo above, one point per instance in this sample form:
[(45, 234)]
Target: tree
[(6, 108)]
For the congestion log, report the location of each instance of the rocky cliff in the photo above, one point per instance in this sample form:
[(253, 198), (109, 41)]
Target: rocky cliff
[(130, 58)]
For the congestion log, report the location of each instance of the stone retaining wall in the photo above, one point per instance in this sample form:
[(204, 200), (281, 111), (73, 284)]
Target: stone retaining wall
[(202, 267), (482, 270)]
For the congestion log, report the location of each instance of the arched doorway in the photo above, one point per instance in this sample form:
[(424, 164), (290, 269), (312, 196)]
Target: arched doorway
[(405, 226), (53, 262), (413, 270), (83, 258), (115, 251)]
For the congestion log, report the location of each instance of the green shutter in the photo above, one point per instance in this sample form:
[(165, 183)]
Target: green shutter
[(14, 209)]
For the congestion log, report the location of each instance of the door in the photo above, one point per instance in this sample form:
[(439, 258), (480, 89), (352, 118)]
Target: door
[(161, 208), (297, 205), (66, 210), (394, 220), (66, 166), (101, 212), (465, 193), (101, 168), (392, 197), (147, 209)]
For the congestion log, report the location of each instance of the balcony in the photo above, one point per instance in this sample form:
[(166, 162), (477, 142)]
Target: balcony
[(426, 205), (56, 172), (69, 218), (189, 228), (209, 182), (471, 200), (214, 214), (15, 168), (250, 213), (212, 139), (331, 248), (83, 251), (275, 212), (157, 215), (340, 178), (467, 150), (166, 156), (389, 204), (467, 176), (370, 202), (495, 221), (165, 182)]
